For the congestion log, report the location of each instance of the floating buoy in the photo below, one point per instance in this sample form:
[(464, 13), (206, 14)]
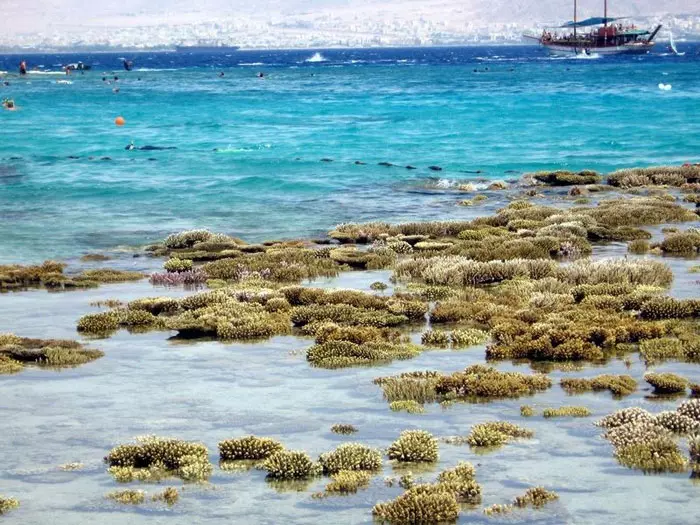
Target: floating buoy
[(119, 121), (665, 87)]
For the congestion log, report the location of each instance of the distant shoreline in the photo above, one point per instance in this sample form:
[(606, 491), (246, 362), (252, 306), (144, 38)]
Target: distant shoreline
[(254, 49)]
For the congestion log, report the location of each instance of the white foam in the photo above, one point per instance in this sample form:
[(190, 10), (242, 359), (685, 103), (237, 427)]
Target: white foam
[(317, 57), (35, 72), (153, 69), (251, 64)]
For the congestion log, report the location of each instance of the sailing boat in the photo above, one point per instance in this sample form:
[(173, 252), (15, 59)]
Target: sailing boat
[(604, 38), (672, 46)]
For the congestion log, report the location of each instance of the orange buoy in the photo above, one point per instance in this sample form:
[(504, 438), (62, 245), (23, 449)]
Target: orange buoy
[(119, 121)]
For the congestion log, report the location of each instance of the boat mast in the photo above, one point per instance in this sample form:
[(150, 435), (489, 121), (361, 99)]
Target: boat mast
[(575, 21), (605, 16)]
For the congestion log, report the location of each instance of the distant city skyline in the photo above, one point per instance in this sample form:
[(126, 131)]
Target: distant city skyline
[(295, 23)]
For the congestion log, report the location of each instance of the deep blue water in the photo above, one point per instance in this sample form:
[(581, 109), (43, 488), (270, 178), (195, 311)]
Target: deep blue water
[(68, 186)]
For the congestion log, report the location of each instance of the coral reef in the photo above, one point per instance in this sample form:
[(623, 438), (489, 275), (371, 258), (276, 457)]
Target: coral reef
[(128, 496), (196, 276), (351, 456), (527, 411), (666, 383), (498, 509), (656, 175), (410, 386), (50, 275), (410, 406), (170, 496), (487, 382), (569, 411), (340, 354), (7, 504), (248, 447), (690, 408), (496, 433), (348, 482), (343, 429), (567, 178), (414, 446), (291, 464), (660, 454), (18, 352), (177, 265), (535, 497), (189, 461), (619, 385), (421, 504)]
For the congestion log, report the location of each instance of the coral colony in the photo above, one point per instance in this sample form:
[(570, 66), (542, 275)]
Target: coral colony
[(517, 285)]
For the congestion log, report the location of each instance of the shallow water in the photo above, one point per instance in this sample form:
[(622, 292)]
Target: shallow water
[(421, 107), (403, 106), (209, 391)]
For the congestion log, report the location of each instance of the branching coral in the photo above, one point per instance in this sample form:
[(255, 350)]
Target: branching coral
[(189, 461), (666, 383), (170, 496), (487, 382), (348, 482), (411, 386), (625, 416), (570, 411), (436, 338), (461, 482), (414, 446), (351, 456), (248, 447), (177, 265), (340, 354), (128, 496), (291, 464), (567, 178), (527, 411), (677, 423), (343, 429), (410, 406), (690, 408), (421, 504), (655, 455), (496, 433), (17, 352), (7, 504), (656, 175), (619, 385), (535, 497)]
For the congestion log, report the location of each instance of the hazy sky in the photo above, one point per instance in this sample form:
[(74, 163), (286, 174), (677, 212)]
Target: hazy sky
[(31, 16)]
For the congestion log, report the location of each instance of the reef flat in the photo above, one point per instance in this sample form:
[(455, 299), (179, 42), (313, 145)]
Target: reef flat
[(422, 372)]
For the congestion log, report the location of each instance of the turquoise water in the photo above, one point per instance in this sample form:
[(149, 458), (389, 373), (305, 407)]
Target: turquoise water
[(519, 111)]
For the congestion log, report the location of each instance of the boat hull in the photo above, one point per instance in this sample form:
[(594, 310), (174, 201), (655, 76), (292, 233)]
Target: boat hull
[(628, 49)]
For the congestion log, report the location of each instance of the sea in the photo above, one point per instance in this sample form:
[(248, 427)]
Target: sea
[(298, 150), (323, 137)]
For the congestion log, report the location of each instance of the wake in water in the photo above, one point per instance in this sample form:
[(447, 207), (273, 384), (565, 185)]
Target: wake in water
[(317, 57)]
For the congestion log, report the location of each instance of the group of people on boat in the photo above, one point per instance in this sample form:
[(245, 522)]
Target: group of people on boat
[(611, 31)]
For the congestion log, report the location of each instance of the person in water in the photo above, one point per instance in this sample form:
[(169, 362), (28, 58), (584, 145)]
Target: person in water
[(9, 104), (261, 75), (22, 68)]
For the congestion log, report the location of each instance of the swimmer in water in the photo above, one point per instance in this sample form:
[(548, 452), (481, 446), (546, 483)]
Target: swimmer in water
[(221, 74), (9, 104), (261, 74), (22, 68), (131, 146)]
